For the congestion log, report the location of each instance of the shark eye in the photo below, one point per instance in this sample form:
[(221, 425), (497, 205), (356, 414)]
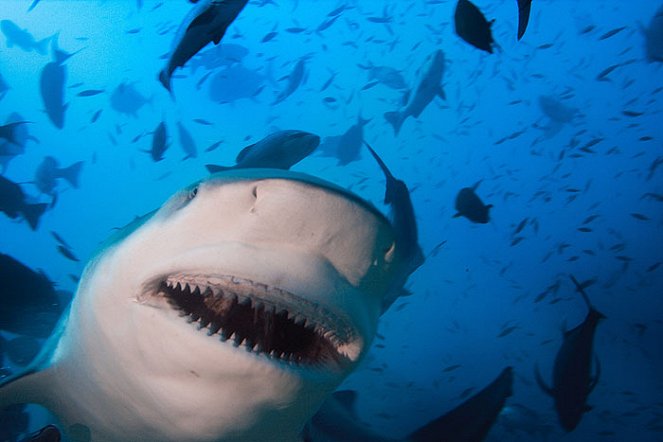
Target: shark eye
[(192, 193)]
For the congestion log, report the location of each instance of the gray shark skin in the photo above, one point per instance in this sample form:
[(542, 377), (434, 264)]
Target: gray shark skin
[(230, 313), (428, 88), (572, 379), (336, 421), (207, 22)]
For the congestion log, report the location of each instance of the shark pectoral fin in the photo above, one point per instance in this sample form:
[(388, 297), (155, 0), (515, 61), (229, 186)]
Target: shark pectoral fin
[(597, 376), (542, 384)]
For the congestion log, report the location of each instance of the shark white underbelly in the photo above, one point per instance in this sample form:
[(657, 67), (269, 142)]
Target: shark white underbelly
[(231, 313)]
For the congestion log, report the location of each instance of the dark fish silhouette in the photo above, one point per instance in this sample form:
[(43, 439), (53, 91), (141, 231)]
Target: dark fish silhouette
[(9, 131), (13, 203), (472, 26), (405, 225), (22, 38), (471, 420), (337, 421), (49, 433), (524, 7), (295, 79), (127, 100), (572, 379), (52, 85), (469, 205), (654, 37), (159, 142), (49, 171), (280, 150), (206, 23), (30, 304)]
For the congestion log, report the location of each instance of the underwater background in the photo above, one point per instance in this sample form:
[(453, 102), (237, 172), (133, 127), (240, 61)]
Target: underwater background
[(562, 131)]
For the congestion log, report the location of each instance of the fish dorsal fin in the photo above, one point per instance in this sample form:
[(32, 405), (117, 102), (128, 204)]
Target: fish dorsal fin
[(347, 398), (476, 185), (244, 152)]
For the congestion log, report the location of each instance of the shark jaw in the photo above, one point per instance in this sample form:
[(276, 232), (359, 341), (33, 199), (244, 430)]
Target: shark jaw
[(231, 313), (261, 319)]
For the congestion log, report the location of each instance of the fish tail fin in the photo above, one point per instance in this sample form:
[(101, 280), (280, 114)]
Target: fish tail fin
[(33, 212), (71, 173), (213, 168), (42, 45), (580, 288), (164, 78), (395, 119)]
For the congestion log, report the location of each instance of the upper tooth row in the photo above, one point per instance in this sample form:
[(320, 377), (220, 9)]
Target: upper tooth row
[(205, 290)]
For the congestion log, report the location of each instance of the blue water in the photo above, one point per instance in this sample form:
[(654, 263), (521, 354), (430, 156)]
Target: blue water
[(478, 283)]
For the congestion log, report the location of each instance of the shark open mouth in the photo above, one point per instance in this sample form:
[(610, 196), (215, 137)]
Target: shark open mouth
[(262, 319)]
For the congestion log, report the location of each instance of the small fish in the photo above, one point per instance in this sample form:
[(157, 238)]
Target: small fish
[(64, 251), (203, 122), (584, 229), (640, 216), (612, 32), (507, 331), (90, 92)]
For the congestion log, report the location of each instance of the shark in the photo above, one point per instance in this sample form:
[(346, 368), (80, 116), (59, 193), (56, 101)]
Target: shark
[(232, 312)]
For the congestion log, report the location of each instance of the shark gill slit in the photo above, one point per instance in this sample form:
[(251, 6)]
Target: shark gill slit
[(238, 311)]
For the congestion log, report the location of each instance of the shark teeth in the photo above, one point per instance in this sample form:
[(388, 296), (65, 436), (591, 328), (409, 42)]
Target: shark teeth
[(261, 319)]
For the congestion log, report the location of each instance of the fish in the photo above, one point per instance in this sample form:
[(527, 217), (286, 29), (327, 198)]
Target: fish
[(52, 86), (397, 195), (30, 304), (524, 7), (4, 87), (49, 171), (67, 253), (13, 203), (19, 138), (337, 420), (654, 37), (234, 83), (385, 75), (159, 142), (469, 205), (22, 38), (572, 379), (279, 150), (207, 22), (187, 142), (295, 79), (471, 25), (9, 131), (90, 92), (221, 55), (471, 420), (349, 144), (49, 433), (246, 264), (126, 99), (427, 89)]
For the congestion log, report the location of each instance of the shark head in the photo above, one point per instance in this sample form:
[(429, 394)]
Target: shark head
[(230, 313)]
